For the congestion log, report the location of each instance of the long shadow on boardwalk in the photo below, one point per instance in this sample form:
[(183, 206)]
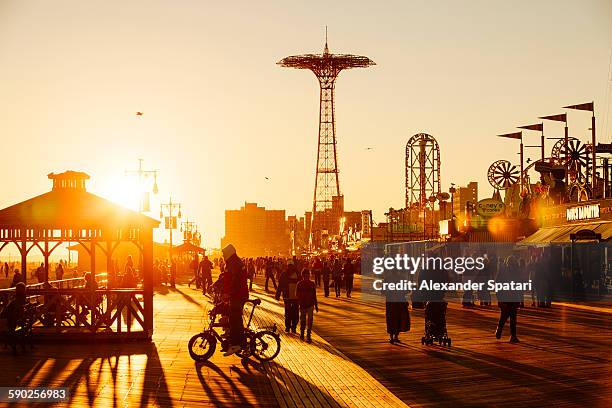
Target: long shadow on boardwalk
[(97, 373), (563, 358)]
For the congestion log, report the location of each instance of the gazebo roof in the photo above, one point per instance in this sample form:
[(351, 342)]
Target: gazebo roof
[(71, 206), (188, 247)]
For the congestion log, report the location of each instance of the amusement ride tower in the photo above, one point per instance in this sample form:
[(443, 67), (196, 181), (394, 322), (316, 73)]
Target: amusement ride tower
[(328, 203)]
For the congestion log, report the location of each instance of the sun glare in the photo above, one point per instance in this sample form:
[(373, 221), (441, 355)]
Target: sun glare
[(123, 190)]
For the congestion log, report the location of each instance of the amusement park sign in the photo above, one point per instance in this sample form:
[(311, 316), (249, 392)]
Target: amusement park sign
[(489, 207), (584, 212)]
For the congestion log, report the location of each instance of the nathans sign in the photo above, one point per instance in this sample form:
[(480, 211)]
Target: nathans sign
[(584, 212)]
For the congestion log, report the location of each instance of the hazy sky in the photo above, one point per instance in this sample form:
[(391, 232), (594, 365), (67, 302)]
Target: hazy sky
[(220, 116)]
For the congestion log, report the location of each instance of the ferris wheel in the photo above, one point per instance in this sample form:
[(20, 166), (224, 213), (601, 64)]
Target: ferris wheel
[(502, 174), (576, 153)]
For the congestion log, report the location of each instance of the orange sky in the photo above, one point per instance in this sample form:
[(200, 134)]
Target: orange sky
[(220, 116)]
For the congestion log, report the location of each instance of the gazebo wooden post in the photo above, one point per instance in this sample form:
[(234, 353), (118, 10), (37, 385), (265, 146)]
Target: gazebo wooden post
[(46, 255), (24, 256), (92, 257), (146, 236), (109, 263)]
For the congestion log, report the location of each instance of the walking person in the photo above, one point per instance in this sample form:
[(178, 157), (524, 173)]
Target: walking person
[(468, 295), (317, 269), (482, 277), (238, 295), (17, 277), (91, 286), (326, 274), (508, 300), (129, 264), (337, 276), (59, 272), (173, 267), (5, 269), (13, 312), (287, 288), (523, 274), (269, 271), (40, 273), (194, 266), (397, 314), (250, 272), (307, 300), (348, 272), (205, 272)]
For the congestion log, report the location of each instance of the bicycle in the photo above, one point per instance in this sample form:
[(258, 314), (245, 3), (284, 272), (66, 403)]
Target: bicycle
[(264, 344)]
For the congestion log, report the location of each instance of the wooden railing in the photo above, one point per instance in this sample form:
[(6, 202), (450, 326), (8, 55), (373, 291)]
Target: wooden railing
[(66, 306), (103, 310)]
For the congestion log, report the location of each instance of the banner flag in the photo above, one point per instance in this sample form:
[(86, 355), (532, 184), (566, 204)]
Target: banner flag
[(559, 118), (537, 126), (589, 106), (517, 135)]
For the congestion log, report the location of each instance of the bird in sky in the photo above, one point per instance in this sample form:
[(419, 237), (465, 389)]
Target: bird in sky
[(528, 160), (139, 113), (369, 148), (266, 178)]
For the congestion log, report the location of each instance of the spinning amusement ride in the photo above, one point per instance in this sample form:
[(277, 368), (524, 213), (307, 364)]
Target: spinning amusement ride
[(572, 170)]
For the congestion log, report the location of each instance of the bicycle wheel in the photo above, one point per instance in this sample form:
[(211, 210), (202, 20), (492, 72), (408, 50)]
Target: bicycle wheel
[(265, 345), (202, 346)]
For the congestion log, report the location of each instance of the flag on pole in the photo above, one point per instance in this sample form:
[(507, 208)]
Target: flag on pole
[(537, 126), (589, 106), (559, 118), (517, 135)]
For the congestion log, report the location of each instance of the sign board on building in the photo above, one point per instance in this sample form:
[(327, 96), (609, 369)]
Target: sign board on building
[(583, 212), (489, 207), (365, 223), (170, 222)]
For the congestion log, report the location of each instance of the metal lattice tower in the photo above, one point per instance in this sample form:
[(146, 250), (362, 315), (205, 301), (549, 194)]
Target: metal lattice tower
[(326, 67), (422, 169)]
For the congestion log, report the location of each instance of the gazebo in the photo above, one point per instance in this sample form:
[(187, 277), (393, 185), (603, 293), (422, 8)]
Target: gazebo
[(70, 214), (188, 247)]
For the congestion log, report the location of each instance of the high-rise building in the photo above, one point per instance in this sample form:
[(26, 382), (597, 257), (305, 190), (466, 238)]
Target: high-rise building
[(255, 231), (463, 195)]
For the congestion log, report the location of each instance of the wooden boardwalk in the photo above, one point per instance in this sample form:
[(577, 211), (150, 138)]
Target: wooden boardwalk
[(318, 374), (163, 374), (563, 360), (137, 374)]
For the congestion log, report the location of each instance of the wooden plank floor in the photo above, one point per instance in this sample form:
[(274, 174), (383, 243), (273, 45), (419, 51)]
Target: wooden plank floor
[(564, 358), (137, 374), (318, 374), (162, 373)]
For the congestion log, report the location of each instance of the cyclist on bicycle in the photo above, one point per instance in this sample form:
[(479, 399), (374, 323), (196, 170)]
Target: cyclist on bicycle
[(238, 290)]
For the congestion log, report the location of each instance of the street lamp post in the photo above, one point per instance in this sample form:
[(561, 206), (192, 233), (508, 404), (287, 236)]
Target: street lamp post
[(171, 224), (142, 174), (452, 191), (432, 200), (189, 229)]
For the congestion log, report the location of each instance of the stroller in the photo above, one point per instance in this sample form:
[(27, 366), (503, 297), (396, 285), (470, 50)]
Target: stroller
[(435, 324)]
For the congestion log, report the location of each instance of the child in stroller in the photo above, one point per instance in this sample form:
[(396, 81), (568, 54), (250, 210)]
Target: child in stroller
[(435, 310), (435, 324)]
